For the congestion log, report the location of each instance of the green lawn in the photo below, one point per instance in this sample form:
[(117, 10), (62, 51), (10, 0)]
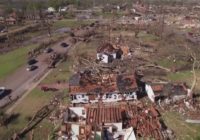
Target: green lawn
[(169, 63), (183, 130), (70, 23), (62, 72), (9, 62), (148, 37), (180, 76), (109, 15), (31, 104), (13, 60)]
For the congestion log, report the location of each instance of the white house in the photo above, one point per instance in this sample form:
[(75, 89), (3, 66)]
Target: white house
[(51, 10), (83, 91), (81, 121), (63, 9), (150, 92), (107, 53)]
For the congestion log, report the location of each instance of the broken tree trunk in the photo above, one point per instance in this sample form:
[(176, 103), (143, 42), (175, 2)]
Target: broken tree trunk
[(157, 66), (32, 134), (194, 74), (194, 82)]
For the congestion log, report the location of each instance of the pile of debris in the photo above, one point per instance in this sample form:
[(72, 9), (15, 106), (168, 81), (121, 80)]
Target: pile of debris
[(189, 108), (84, 33), (109, 104), (145, 121), (113, 122)]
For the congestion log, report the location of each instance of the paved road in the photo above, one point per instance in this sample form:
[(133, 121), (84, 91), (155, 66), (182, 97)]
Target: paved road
[(20, 81), (30, 88)]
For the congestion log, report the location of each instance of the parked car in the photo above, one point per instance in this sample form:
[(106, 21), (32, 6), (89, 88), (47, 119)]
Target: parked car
[(2, 90), (64, 45), (48, 50), (4, 30), (31, 68), (31, 61)]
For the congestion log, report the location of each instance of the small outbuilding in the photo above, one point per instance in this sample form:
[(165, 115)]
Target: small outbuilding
[(51, 10)]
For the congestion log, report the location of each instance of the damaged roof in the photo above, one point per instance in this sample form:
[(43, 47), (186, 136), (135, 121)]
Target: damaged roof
[(74, 80), (107, 48), (144, 119), (85, 84), (103, 115), (176, 89), (95, 88), (126, 83)]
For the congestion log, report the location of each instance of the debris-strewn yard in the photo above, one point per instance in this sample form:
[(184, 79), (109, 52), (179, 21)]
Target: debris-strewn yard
[(125, 72), (182, 129)]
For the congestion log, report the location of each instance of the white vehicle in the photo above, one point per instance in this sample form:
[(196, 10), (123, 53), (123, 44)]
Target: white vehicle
[(48, 50), (31, 68), (2, 90)]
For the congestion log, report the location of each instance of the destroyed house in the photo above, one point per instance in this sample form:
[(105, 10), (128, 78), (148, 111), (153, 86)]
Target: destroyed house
[(112, 122), (107, 53), (127, 85), (110, 88), (8, 20), (105, 121), (173, 91)]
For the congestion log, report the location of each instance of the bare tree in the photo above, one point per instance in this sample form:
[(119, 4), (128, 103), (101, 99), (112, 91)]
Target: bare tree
[(195, 65), (8, 10)]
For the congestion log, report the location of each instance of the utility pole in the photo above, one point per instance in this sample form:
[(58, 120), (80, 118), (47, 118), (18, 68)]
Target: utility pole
[(109, 32), (77, 3), (93, 4), (162, 20)]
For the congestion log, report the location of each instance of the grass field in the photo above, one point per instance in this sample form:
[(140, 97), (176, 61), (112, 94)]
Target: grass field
[(9, 62), (31, 104), (13, 60), (183, 130), (71, 23), (61, 73)]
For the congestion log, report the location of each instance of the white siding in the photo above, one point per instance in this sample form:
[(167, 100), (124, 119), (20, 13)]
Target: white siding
[(104, 57), (117, 125), (80, 98), (150, 92), (129, 134), (79, 111), (114, 55), (75, 129)]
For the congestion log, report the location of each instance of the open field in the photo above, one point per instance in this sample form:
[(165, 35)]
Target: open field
[(11, 61), (71, 23), (31, 104), (183, 130)]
